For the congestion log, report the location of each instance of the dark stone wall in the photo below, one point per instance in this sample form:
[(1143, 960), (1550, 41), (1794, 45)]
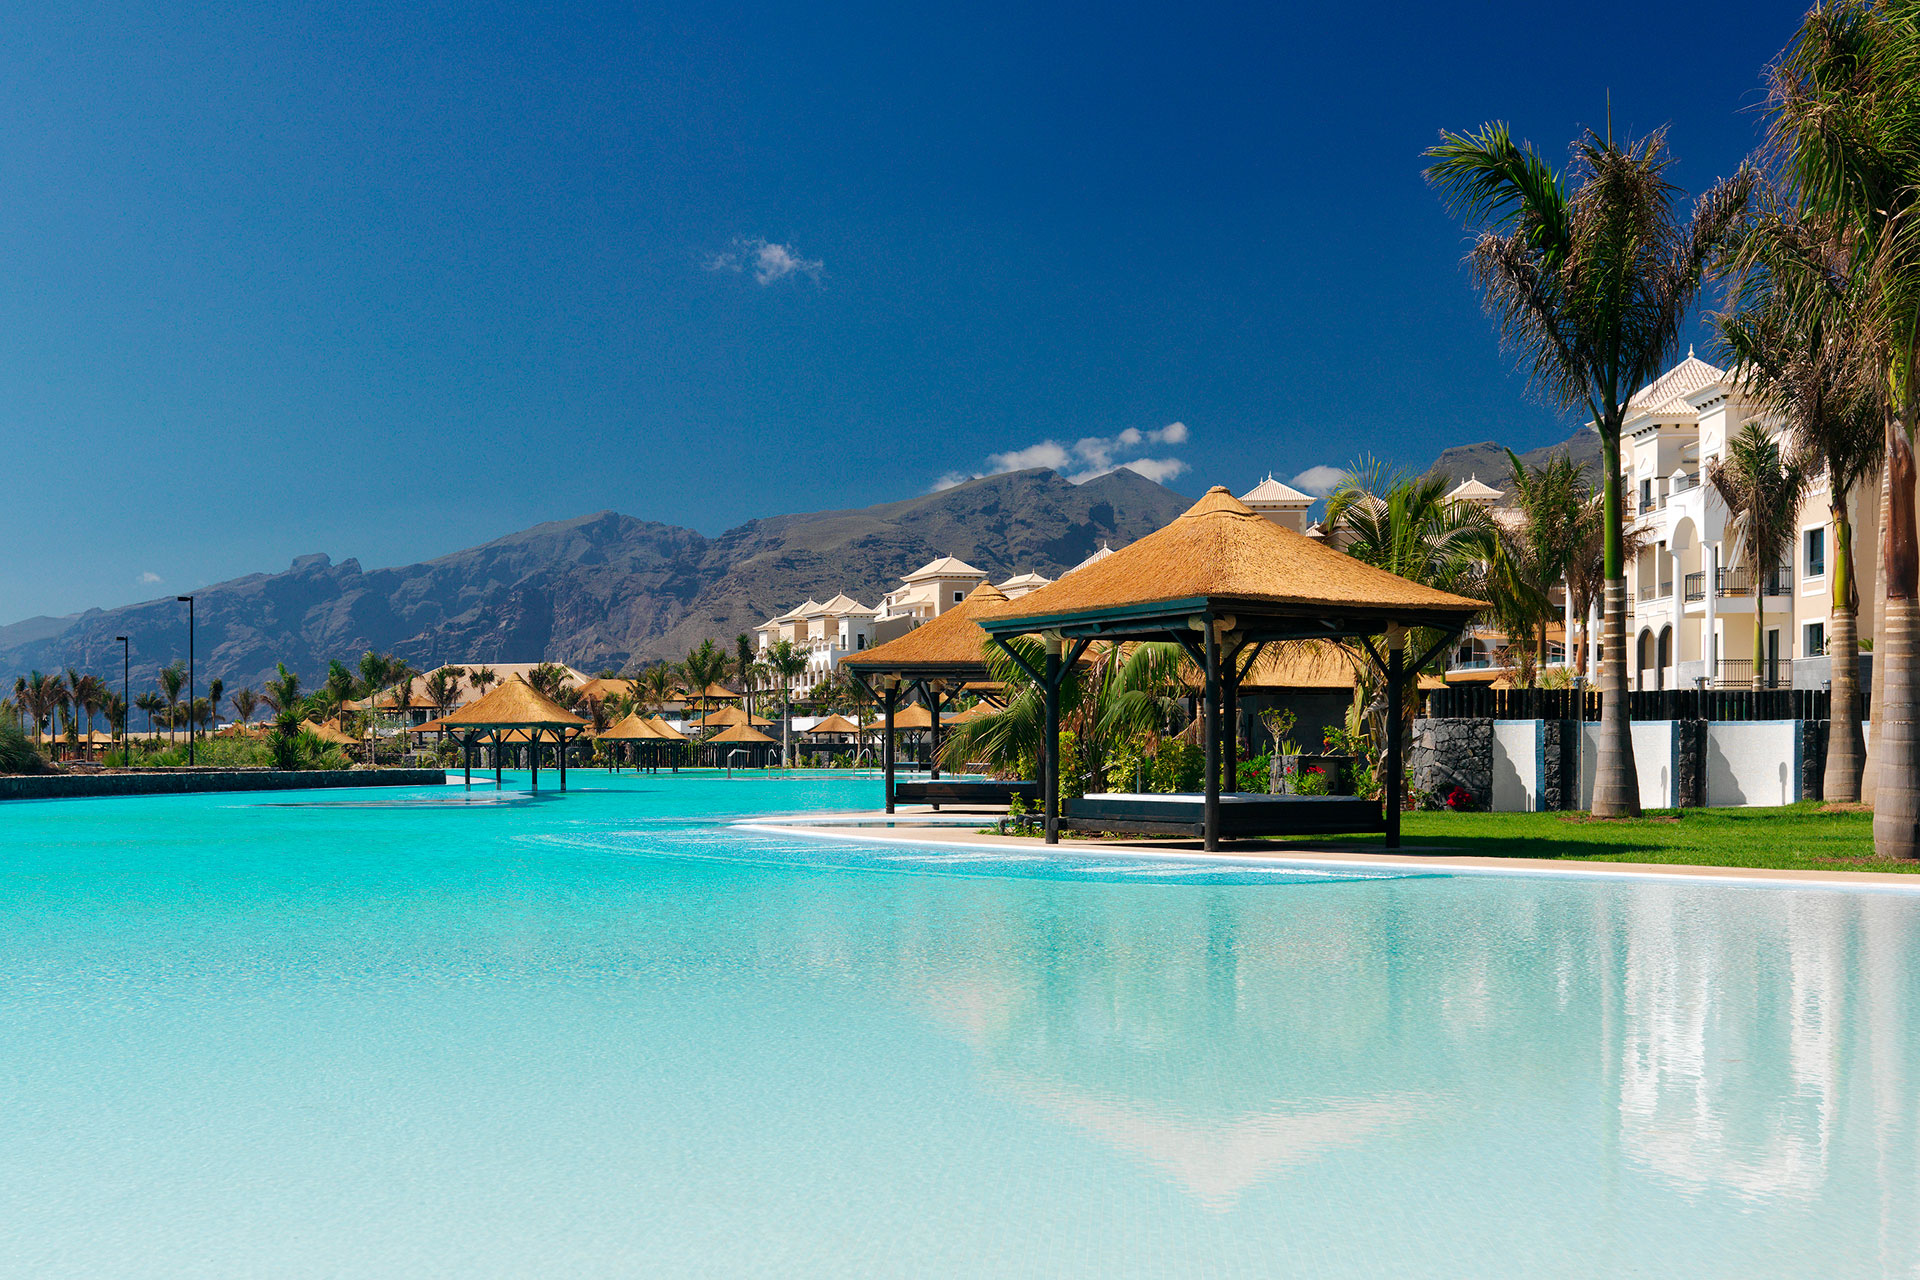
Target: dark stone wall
[(58, 786), (1813, 758), (1559, 741), (1449, 753), (1690, 748)]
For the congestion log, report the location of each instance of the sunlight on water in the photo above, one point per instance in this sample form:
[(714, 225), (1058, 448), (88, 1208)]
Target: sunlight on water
[(607, 1033)]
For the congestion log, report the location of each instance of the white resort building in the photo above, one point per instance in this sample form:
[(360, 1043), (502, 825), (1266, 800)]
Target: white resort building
[(1691, 593)]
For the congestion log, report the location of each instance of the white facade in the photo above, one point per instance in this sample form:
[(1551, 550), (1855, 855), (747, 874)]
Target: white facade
[(1690, 591)]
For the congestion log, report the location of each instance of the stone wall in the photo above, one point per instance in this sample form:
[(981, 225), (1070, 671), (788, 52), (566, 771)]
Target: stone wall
[(1449, 753), (57, 786), (1813, 759), (1562, 785), (1690, 762)]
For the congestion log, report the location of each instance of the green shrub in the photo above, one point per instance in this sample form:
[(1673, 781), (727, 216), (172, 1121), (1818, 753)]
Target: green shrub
[(17, 754), (1177, 767), (1254, 775)]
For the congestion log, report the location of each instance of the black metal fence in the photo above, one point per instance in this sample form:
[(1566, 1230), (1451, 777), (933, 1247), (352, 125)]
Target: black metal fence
[(1480, 702)]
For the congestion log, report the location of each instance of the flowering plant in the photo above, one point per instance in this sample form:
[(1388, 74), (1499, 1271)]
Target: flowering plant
[(1460, 800)]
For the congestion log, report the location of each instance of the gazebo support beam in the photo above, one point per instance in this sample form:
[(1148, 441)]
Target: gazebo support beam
[(1210, 675)]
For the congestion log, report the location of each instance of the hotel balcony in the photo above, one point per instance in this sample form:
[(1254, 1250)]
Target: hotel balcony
[(1736, 584)]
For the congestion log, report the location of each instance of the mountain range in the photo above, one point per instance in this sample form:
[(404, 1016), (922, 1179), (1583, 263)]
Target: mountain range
[(604, 590)]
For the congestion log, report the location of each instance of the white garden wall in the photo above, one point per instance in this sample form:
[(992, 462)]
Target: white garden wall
[(1654, 758), (1519, 766), (1752, 762)]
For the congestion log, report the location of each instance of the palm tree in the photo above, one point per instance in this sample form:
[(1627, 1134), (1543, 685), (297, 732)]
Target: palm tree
[(114, 708), (215, 687), (482, 678), (705, 665), (340, 681), (85, 692), (1761, 487), (1588, 273), (1407, 527), (1552, 500), (786, 661), (549, 678), (1587, 567), (443, 689), (743, 665), (656, 685), (244, 705), (152, 704), (1845, 129), (172, 678), (42, 696), (1120, 692), (283, 693), (1798, 333)]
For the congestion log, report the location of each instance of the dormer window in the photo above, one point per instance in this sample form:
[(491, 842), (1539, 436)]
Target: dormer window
[(958, 596)]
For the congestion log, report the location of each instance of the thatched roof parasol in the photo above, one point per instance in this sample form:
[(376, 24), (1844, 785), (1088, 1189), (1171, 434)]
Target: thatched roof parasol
[(835, 724), (1223, 553), (635, 728), (514, 704), (733, 715), (914, 717), (743, 733), (327, 733), (951, 644), (667, 731)]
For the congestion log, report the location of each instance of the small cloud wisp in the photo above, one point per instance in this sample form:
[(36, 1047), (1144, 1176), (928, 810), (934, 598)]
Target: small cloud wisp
[(769, 261), (1088, 457)]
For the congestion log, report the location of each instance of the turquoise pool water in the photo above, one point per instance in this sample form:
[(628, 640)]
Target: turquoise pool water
[(601, 1034)]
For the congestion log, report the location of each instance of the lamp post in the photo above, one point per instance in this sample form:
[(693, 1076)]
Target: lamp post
[(126, 705), (188, 601)]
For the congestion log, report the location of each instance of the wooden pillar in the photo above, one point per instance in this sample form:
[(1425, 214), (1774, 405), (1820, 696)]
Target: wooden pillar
[(467, 756), (560, 746), (1050, 744), (1210, 805), (1230, 726), (1396, 661), (936, 698), (494, 751), (889, 699), (533, 759)]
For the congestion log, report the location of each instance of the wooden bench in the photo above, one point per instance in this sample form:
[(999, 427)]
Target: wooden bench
[(965, 792), (1242, 817)]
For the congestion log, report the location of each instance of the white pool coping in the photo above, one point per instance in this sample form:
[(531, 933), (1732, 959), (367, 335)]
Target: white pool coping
[(849, 828)]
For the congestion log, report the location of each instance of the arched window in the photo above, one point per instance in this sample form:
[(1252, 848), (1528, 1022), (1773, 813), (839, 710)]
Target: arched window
[(1666, 657)]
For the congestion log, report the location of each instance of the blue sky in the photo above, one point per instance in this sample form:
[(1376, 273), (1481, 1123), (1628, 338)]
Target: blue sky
[(281, 279)]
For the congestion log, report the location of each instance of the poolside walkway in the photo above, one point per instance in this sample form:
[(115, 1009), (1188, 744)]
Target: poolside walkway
[(959, 826)]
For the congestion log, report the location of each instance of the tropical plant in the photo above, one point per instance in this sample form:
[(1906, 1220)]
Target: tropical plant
[(1799, 334), (743, 668), (550, 679), (215, 688), (244, 703), (786, 661), (1845, 130), (1554, 514), (114, 708), (283, 694), (153, 704), (443, 689), (173, 678), (1588, 273), (340, 681), (1761, 488), (1118, 694), (482, 679), (656, 685), (375, 669), (84, 693), (705, 665)]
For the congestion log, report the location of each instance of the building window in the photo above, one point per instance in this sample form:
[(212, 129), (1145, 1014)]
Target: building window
[(1816, 540), (860, 640), (958, 596), (1646, 495), (1816, 639)]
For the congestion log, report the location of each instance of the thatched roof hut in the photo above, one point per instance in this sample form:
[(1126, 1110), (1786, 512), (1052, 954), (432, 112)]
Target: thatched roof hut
[(516, 711)]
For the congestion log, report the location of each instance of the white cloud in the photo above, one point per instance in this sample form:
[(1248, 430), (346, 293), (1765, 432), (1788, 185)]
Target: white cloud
[(770, 261), (1087, 457), (149, 578), (1319, 481)]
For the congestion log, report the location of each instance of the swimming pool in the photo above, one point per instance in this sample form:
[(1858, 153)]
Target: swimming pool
[(378, 1033)]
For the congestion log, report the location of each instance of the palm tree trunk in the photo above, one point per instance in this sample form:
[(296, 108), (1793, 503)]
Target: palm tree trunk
[(1896, 814), (1759, 613), (1846, 748), (1870, 774), (1616, 783)]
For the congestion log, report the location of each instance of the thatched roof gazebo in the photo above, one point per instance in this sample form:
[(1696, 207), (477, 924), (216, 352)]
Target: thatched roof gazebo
[(1223, 582), (741, 737), (515, 708), (639, 732), (733, 715), (935, 660), (835, 724)]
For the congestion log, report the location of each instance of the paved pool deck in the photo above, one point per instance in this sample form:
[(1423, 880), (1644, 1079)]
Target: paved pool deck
[(958, 827)]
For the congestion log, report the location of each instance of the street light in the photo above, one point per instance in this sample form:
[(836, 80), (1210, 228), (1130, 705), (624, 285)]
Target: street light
[(188, 601), (126, 706)]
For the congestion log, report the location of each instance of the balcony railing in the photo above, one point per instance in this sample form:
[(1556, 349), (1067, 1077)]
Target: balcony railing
[(1657, 591), (1737, 673), (1737, 582)]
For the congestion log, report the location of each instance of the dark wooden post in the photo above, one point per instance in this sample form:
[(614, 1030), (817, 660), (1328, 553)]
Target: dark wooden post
[(560, 746), (1396, 659), (1050, 743), (1230, 726), (1210, 805), (936, 697), (467, 756), (495, 752), (533, 759), (889, 698)]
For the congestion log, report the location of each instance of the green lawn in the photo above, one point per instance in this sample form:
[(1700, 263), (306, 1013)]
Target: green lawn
[(1797, 837)]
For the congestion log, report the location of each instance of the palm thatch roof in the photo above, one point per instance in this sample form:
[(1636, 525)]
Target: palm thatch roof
[(951, 644), (1309, 664), (327, 733), (714, 693), (834, 724), (601, 688), (1222, 554), (914, 717), (734, 715), (517, 704), (972, 713), (667, 731), (635, 728), (742, 733)]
